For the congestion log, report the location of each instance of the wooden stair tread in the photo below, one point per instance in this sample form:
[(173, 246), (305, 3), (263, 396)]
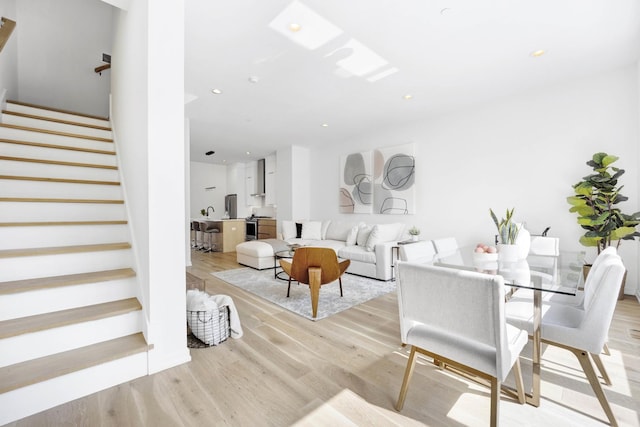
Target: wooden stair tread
[(55, 132), (57, 162), (14, 253), (63, 180), (57, 319), (25, 285), (52, 200), (51, 119), (45, 368), (41, 107), (57, 223), (57, 146)]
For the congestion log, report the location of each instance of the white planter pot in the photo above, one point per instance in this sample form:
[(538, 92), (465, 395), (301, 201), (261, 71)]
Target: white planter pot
[(508, 253)]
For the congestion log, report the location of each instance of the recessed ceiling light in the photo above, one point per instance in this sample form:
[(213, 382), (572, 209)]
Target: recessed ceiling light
[(294, 28), (408, 96), (445, 11), (537, 53), (253, 79), (325, 125), (248, 153), (216, 91)]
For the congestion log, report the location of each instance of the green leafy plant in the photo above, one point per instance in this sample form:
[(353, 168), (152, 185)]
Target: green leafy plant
[(596, 202), (414, 231), (507, 229)]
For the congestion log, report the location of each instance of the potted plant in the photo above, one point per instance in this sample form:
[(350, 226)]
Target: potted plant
[(596, 202), (507, 235), (203, 212), (414, 232)]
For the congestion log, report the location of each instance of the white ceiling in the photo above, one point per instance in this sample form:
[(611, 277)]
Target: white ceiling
[(352, 62)]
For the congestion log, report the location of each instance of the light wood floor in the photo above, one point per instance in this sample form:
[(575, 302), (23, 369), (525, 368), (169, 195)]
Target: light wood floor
[(343, 370)]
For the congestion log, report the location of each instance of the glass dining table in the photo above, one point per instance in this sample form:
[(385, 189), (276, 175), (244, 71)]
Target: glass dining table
[(560, 274)]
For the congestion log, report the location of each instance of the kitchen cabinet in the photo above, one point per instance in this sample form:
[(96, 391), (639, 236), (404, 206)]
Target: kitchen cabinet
[(270, 180), (266, 228)]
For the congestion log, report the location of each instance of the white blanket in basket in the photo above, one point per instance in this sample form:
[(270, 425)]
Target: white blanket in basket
[(201, 301)]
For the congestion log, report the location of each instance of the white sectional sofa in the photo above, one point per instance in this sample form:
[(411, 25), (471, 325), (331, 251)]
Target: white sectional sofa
[(368, 246)]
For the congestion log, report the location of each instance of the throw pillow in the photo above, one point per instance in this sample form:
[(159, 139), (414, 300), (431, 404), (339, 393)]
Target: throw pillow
[(325, 226), (353, 235), (381, 233), (288, 230), (312, 230), (363, 235)]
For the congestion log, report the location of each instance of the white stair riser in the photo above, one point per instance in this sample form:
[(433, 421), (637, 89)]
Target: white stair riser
[(28, 211), (36, 398), (10, 167), (55, 115), (41, 153), (67, 235), (55, 299), (19, 188), (55, 126), (19, 268), (51, 341), (46, 138)]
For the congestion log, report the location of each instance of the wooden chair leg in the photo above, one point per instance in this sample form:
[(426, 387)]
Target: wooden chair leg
[(517, 373), (495, 402), (587, 367), (340, 281), (315, 278), (605, 349), (603, 372), (408, 372)]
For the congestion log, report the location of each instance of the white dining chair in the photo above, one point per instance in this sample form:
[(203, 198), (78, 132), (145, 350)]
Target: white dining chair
[(581, 329), (420, 252), (457, 317), (576, 300), (446, 245)]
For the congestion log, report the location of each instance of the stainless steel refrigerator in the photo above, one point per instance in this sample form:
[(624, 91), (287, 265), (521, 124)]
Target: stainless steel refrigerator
[(231, 205)]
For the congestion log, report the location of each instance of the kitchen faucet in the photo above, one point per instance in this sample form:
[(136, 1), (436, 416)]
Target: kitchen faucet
[(210, 207)]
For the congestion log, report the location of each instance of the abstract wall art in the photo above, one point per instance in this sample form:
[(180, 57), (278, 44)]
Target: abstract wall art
[(356, 186), (394, 180)]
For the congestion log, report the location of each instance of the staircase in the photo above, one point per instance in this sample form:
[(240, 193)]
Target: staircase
[(70, 318)]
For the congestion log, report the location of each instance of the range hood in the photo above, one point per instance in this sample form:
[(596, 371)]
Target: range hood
[(260, 179)]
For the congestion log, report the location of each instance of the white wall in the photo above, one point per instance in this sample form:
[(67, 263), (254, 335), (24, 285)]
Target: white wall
[(205, 175), (45, 73), (293, 183), (523, 152), (148, 118), (9, 55)]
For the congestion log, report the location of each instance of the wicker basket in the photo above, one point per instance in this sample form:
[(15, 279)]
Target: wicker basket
[(207, 328)]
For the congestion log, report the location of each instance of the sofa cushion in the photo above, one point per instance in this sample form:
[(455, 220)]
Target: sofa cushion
[(311, 230), (363, 235), (288, 230), (336, 245), (325, 226), (357, 253), (353, 235), (381, 233), (339, 230)]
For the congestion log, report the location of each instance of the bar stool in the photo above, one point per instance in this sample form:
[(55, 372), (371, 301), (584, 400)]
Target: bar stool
[(195, 225), (208, 229)]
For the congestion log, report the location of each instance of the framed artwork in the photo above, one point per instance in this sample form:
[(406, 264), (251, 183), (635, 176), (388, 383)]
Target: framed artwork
[(394, 180), (356, 186)]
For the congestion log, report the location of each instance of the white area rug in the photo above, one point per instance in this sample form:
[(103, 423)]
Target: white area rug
[(356, 290)]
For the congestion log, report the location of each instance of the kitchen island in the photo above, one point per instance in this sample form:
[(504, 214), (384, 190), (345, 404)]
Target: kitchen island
[(232, 232)]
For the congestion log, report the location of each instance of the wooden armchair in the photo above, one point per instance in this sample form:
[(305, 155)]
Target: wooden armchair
[(314, 267)]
